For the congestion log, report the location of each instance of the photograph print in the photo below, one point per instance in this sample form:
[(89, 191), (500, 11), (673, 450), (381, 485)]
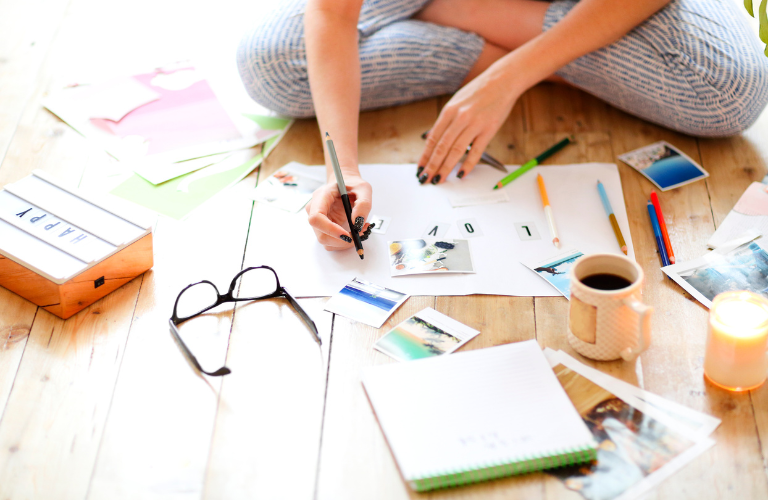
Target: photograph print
[(290, 188), (742, 268), (557, 270), (664, 165), (365, 302), (428, 255)]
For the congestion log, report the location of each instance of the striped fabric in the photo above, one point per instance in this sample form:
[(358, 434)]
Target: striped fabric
[(695, 66)]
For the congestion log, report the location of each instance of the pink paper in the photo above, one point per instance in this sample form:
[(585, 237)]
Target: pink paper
[(754, 201), (180, 118)]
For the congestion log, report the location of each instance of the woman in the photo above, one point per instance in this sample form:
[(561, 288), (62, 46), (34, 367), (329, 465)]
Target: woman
[(690, 65)]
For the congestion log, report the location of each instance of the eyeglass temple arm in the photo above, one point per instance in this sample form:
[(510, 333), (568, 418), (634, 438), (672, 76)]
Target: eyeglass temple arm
[(191, 358), (304, 316)]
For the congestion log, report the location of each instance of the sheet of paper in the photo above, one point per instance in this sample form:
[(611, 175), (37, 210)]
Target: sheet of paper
[(290, 188), (640, 446), (313, 271), (158, 172), (365, 302), (114, 99), (187, 120), (458, 199), (556, 270), (750, 213), (426, 334)]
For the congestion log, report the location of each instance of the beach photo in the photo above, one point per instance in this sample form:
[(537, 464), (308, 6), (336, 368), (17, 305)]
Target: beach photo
[(290, 188), (423, 335), (365, 302), (428, 255), (664, 165), (557, 270), (742, 268)]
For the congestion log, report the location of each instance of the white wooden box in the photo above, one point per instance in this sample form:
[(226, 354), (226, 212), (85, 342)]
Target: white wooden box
[(64, 250)]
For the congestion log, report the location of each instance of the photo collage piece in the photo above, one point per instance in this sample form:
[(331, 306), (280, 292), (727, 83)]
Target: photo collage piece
[(425, 334), (290, 188), (557, 270), (365, 302), (428, 255), (664, 165), (723, 270), (638, 446)]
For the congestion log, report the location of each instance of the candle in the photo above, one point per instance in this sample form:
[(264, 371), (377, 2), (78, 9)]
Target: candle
[(737, 341)]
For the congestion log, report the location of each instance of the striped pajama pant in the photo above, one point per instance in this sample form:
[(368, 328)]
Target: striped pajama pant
[(695, 66)]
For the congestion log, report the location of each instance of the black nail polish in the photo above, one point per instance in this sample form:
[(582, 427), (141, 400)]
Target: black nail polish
[(371, 226), (425, 134), (359, 221), (460, 174), (419, 171), (346, 238), (436, 179), (423, 179)]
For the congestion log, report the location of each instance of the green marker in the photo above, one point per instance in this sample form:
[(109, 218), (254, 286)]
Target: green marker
[(532, 163)]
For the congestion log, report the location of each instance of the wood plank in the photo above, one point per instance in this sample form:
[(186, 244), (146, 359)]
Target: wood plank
[(56, 411), (560, 108), (157, 439), (354, 459), (268, 426), (672, 367), (16, 317)]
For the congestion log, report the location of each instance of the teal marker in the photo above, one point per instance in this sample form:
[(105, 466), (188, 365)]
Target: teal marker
[(532, 163)]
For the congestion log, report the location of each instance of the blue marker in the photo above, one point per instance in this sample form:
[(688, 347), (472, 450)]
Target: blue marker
[(657, 233)]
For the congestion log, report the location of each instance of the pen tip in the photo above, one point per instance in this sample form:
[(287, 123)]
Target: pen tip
[(361, 254), (672, 260), (326, 134), (496, 186), (556, 242), (624, 249)]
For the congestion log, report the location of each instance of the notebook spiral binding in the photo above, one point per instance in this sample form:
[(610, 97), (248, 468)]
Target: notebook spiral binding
[(529, 463)]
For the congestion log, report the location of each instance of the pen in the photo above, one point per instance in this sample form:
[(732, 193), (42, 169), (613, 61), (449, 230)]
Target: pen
[(612, 217), (663, 225), (548, 211), (485, 157), (657, 234), (344, 196), (532, 163)]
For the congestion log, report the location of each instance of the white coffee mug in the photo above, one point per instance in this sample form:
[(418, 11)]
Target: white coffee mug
[(607, 320)]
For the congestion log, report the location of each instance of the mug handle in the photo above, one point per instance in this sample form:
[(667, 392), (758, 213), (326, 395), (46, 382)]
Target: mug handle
[(644, 341)]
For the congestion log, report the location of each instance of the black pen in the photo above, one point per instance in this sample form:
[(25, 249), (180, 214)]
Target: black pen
[(344, 197)]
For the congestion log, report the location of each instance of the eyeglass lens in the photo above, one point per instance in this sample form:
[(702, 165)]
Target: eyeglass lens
[(255, 283)]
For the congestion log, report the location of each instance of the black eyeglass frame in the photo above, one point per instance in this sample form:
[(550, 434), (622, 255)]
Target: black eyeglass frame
[(280, 291)]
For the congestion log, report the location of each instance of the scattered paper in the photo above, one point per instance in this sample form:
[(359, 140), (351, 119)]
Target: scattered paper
[(556, 270), (430, 255), (115, 99), (290, 188), (749, 214), (365, 302), (425, 334), (664, 165), (639, 446), (159, 172), (722, 270)]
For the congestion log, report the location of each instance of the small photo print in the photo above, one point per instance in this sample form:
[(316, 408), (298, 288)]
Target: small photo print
[(425, 334), (726, 270), (557, 270), (365, 302), (428, 255), (664, 165), (290, 188)]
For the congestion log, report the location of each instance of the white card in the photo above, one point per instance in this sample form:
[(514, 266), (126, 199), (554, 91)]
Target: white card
[(435, 229), (469, 228), (382, 223), (527, 231)]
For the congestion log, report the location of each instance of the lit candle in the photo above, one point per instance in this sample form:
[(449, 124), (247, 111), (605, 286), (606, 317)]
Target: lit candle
[(737, 341)]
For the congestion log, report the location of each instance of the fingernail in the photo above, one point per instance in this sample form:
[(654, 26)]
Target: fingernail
[(423, 179), (365, 236), (373, 224), (424, 135), (418, 172), (346, 238), (436, 179), (460, 174), (359, 221)]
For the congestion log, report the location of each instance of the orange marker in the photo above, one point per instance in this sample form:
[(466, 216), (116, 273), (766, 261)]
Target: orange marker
[(548, 211), (664, 233)]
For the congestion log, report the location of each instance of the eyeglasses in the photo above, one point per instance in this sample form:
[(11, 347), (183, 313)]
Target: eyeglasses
[(253, 283)]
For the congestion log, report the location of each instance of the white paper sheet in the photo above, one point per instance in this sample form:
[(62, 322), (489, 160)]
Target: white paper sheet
[(289, 244)]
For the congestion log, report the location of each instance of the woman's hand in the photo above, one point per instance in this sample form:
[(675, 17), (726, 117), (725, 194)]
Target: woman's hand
[(472, 117), (327, 216)]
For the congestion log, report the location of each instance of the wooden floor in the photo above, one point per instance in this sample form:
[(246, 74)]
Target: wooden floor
[(103, 405)]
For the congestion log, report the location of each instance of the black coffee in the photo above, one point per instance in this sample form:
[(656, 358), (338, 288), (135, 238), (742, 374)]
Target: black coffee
[(606, 282)]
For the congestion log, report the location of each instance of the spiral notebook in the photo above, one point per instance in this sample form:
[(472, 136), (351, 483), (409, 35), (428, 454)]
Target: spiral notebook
[(476, 415)]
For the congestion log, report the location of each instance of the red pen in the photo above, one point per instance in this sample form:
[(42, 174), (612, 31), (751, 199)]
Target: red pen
[(663, 224)]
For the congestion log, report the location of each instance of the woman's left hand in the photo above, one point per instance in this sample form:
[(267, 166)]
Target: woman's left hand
[(472, 117)]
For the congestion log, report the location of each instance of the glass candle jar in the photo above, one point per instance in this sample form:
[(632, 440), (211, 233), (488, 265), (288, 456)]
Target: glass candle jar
[(737, 341)]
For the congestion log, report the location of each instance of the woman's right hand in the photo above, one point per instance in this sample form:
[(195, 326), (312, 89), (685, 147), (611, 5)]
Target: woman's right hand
[(327, 216)]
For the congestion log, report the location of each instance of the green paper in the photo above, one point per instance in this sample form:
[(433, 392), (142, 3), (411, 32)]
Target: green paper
[(268, 122)]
